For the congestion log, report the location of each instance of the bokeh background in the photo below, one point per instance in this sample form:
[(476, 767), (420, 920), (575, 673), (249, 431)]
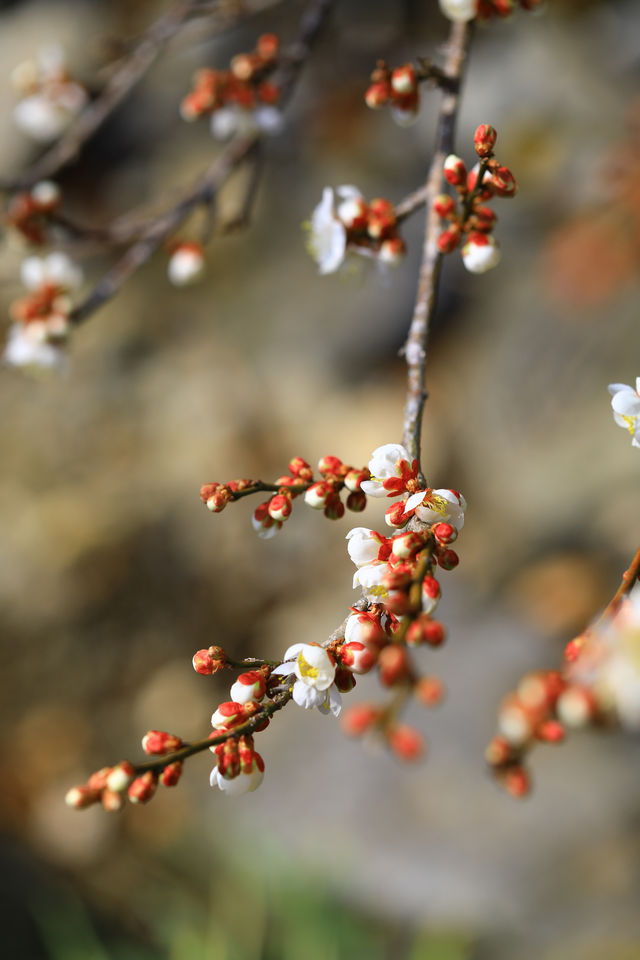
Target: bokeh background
[(112, 573)]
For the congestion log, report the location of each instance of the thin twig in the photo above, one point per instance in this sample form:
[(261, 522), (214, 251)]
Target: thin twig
[(629, 579), (210, 182), (415, 348), (118, 87)]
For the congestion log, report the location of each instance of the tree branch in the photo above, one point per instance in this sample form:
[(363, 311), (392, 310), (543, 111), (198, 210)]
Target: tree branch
[(415, 348)]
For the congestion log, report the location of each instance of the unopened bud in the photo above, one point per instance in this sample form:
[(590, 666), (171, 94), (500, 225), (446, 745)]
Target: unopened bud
[(81, 797), (393, 665), (403, 79), (143, 788), (406, 545), (449, 239), (300, 468), (448, 559), (484, 140), (171, 774), (209, 661), (121, 776), (329, 465), (392, 250), (280, 507), (444, 532), (358, 657), (429, 691), (334, 508), (317, 495), (406, 743), (444, 205), (157, 742), (359, 719), (455, 171), (425, 630), (357, 501), (377, 95), (395, 516)]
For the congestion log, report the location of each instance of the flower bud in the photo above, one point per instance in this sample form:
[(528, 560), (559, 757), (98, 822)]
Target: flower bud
[(406, 545), (218, 500), (406, 743), (359, 719), (444, 205), (448, 559), (334, 508), (329, 465), (344, 680), (455, 171), (209, 661), (46, 195), (503, 8), (393, 665), (280, 507), (395, 516), (81, 797), (186, 264), (98, 780), (143, 788), (120, 777), (504, 182), (268, 46), (358, 657), (244, 65), (425, 630), (514, 722), (207, 490), (249, 686), (485, 219), (156, 742), (576, 707), (403, 79), (444, 532), (449, 239), (480, 253), (300, 468), (430, 594), (550, 732), (484, 140), (516, 782), (354, 478), (377, 95), (357, 501), (171, 774), (317, 495), (462, 10), (228, 715), (498, 752), (392, 251), (111, 801), (429, 691)]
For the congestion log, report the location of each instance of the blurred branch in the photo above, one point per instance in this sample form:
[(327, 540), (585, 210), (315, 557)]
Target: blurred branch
[(157, 229), (118, 87), (415, 348), (629, 579), (243, 216)]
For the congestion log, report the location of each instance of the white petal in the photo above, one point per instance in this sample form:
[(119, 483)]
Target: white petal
[(414, 500), (306, 696), (348, 192), (285, 668), (373, 488), (269, 119), (32, 272)]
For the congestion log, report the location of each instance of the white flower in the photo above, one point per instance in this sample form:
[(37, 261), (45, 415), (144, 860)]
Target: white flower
[(186, 264), (370, 578), (625, 402), (315, 673), (232, 121), (242, 783), (27, 346), (364, 545), (56, 269), (390, 462), (50, 100), (328, 236), (459, 9), (438, 506), (480, 253)]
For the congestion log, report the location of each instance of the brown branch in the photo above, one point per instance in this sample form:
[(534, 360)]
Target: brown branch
[(629, 579), (118, 87), (415, 348), (211, 181)]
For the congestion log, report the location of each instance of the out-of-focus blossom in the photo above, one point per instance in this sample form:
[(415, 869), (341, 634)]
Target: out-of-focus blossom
[(625, 402)]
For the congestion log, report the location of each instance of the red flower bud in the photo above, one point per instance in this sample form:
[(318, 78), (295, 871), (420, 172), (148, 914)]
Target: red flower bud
[(360, 718), (357, 501), (393, 665), (171, 774), (143, 788), (448, 559), (484, 140), (406, 743)]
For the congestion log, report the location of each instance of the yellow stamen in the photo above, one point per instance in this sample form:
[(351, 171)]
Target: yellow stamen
[(305, 668)]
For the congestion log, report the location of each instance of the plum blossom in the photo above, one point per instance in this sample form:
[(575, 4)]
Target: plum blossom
[(366, 546), (327, 240), (315, 672), (393, 471), (480, 253), (610, 662), (234, 120), (625, 402), (186, 264), (41, 319), (459, 9), (50, 99), (243, 782), (438, 506)]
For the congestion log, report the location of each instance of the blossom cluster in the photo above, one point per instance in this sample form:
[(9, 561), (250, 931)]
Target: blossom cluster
[(467, 215), (598, 685), (30, 212), (241, 99), (319, 493), (400, 593), (464, 10), (369, 229), (49, 97), (625, 402), (41, 319), (398, 89)]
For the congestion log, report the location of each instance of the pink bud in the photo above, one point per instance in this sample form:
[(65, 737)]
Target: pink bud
[(156, 742), (406, 743), (393, 665), (444, 532), (171, 774), (357, 657), (81, 797), (484, 140), (360, 718), (279, 507), (377, 95), (317, 495), (329, 465), (121, 776), (403, 79), (455, 171), (143, 788), (444, 205)]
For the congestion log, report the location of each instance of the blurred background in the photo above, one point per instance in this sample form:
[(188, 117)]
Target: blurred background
[(112, 573)]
